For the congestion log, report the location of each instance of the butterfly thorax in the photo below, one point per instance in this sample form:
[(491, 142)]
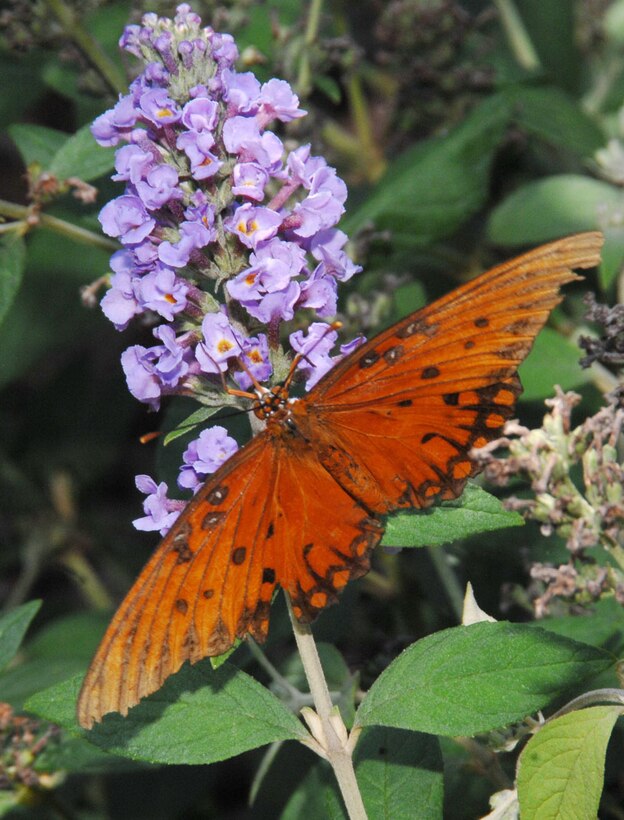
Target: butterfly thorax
[(272, 404)]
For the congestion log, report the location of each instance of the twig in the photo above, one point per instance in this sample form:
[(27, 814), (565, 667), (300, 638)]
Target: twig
[(326, 724)]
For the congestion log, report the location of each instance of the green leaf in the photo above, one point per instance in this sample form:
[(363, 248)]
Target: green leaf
[(73, 754), (602, 626), (329, 87), (550, 208), (315, 797), (199, 716), (612, 256), (62, 648), (553, 360), (473, 512), (12, 259), (186, 426), (613, 22), (556, 118), (551, 25), (400, 776), (13, 627), (20, 74), (8, 802), (472, 679), (73, 636), (561, 769), (432, 189), (36, 143), (218, 660), (36, 322), (81, 156)]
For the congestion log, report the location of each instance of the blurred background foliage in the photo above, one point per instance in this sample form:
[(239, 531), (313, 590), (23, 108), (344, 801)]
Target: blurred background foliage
[(465, 131)]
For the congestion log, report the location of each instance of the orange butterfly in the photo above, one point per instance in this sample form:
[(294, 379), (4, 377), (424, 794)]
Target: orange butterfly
[(388, 428)]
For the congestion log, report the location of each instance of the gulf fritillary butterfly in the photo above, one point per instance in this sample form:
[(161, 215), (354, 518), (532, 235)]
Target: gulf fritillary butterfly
[(388, 428)]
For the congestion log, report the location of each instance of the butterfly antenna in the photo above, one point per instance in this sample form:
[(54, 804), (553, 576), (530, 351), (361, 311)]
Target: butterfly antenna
[(335, 325), (232, 391)]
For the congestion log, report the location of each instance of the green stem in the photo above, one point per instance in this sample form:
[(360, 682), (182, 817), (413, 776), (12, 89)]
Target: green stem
[(88, 45), (53, 223), (517, 35), (372, 163), (304, 80), (449, 581), (92, 588), (76, 233), (275, 675), (604, 80), (334, 732)]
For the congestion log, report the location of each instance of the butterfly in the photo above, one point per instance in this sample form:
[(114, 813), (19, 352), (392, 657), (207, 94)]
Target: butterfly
[(302, 505)]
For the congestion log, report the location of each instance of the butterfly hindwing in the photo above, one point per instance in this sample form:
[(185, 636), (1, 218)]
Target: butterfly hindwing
[(322, 536)]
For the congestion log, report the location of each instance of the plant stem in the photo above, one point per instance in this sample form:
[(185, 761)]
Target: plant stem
[(449, 581), (603, 83), (304, 79), (277, 678), (53, 223), (88, 45), (77, 233), (372, 162), (517, 35), (334, 745), (91, 587)]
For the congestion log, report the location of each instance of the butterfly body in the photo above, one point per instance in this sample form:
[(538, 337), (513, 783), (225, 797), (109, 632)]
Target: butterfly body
[(301, 506)]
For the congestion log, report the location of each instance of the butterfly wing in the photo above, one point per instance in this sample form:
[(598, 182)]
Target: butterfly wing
[(182, 604), (271, 515), (321, 536), (395, 421)]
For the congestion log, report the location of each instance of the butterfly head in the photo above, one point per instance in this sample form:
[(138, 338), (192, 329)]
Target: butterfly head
[(272, 404)]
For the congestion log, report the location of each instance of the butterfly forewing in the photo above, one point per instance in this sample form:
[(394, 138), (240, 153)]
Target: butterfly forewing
[(477, 334), (396, 420), (203, 583)]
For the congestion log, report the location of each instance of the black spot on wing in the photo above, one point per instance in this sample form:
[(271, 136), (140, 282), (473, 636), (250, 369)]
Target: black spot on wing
[(211, 519), (268, 575), (431, 372), (238, 555), (368, 359), (218, 494), (393, 354), (414, 326)]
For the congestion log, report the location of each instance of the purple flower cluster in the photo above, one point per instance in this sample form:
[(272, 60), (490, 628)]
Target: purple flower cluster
[(214, 206)]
